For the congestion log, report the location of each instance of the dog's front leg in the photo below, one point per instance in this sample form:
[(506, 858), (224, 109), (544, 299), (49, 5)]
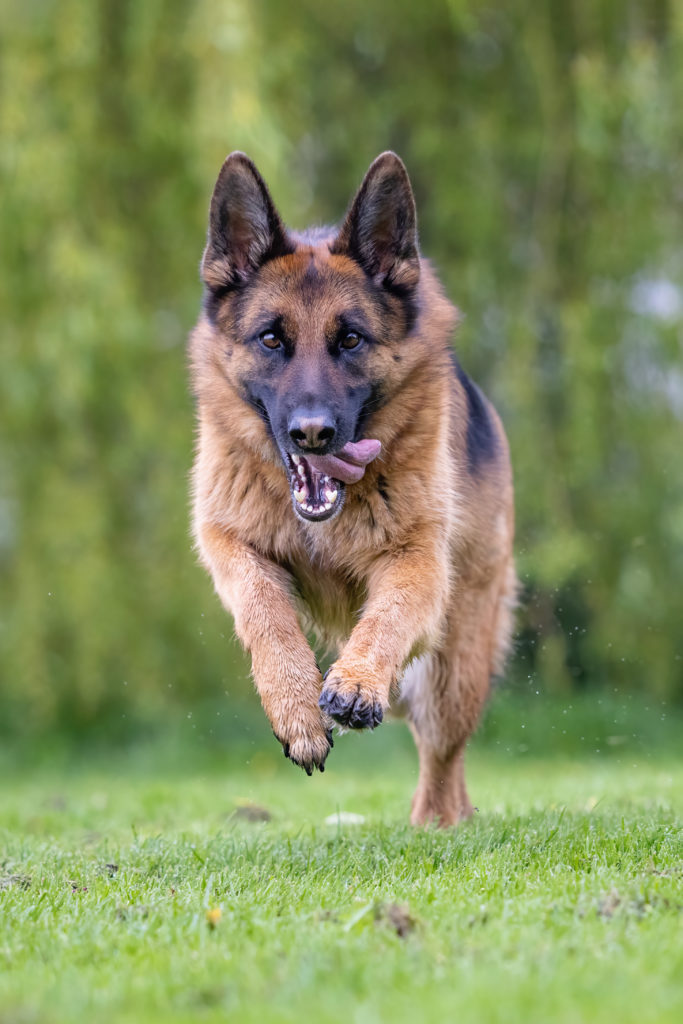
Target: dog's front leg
[(256, 592), (407, 594)]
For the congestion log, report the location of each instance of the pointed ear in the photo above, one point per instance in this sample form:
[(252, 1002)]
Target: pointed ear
[(380, 228), (245, 230)]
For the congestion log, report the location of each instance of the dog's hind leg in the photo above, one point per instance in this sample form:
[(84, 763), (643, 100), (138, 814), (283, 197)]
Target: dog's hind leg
[(441, 796), (444, 692)]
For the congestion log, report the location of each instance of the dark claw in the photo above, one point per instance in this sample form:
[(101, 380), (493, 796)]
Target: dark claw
[(308, 769), (321, 766), (285, 746), (352, 711), (326, 673)]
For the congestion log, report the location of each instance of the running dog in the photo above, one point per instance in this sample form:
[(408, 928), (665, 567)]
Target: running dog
[(351, 482)]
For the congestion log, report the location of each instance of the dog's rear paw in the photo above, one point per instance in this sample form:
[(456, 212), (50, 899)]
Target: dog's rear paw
[(309, 751), (353, 708)]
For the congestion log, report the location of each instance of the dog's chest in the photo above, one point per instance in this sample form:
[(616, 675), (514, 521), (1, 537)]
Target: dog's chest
[(329, 601)]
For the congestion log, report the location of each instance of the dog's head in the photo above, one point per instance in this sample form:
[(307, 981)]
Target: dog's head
[(311, 327)]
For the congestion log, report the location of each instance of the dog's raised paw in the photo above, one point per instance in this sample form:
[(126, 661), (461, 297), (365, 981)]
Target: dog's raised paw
[(354, 711)]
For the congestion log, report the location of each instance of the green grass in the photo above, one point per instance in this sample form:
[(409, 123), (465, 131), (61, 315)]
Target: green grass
[(561, 901)]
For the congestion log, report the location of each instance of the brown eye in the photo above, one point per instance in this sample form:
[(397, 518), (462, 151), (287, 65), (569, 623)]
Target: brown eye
[(269, 339), (351, 339)]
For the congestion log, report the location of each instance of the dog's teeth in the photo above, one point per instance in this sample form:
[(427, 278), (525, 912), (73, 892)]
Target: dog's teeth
[(309, 508), (296, 459), (300, 495), (302, 472), (331, 496)]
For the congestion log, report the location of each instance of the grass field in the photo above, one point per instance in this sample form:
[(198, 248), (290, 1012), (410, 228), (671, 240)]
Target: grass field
[(135, 887)]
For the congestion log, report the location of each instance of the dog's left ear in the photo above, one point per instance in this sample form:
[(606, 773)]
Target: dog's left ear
[(380, 229)]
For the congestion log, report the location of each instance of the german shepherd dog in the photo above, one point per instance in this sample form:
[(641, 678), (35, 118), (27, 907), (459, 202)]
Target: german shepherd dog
[(350, 479)]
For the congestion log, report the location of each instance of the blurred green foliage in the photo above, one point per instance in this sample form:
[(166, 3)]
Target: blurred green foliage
[(544, 142)]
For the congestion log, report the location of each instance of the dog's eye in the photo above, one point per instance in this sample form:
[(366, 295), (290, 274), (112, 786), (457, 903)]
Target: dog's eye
[(351, 339), (270, 339)]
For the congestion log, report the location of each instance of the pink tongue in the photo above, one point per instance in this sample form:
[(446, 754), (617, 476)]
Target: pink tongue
[(349, 463)]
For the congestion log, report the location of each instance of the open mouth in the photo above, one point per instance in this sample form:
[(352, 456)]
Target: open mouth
[(315, 495), (318, 482)]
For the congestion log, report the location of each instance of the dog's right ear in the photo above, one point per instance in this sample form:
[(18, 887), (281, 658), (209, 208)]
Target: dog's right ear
[(245, 230)]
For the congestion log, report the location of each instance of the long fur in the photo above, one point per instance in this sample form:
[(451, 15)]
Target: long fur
[(413, 583)]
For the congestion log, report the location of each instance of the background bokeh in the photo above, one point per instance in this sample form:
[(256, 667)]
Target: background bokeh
[(544, 142)]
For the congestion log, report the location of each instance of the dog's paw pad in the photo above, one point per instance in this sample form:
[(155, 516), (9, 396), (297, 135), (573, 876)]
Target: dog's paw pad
[(353, 711)]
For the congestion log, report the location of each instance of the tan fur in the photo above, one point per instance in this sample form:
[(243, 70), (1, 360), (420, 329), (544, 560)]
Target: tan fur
[(421, 587)]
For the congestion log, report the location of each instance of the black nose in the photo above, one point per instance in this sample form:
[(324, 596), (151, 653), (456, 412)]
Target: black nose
[(311, 429)]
